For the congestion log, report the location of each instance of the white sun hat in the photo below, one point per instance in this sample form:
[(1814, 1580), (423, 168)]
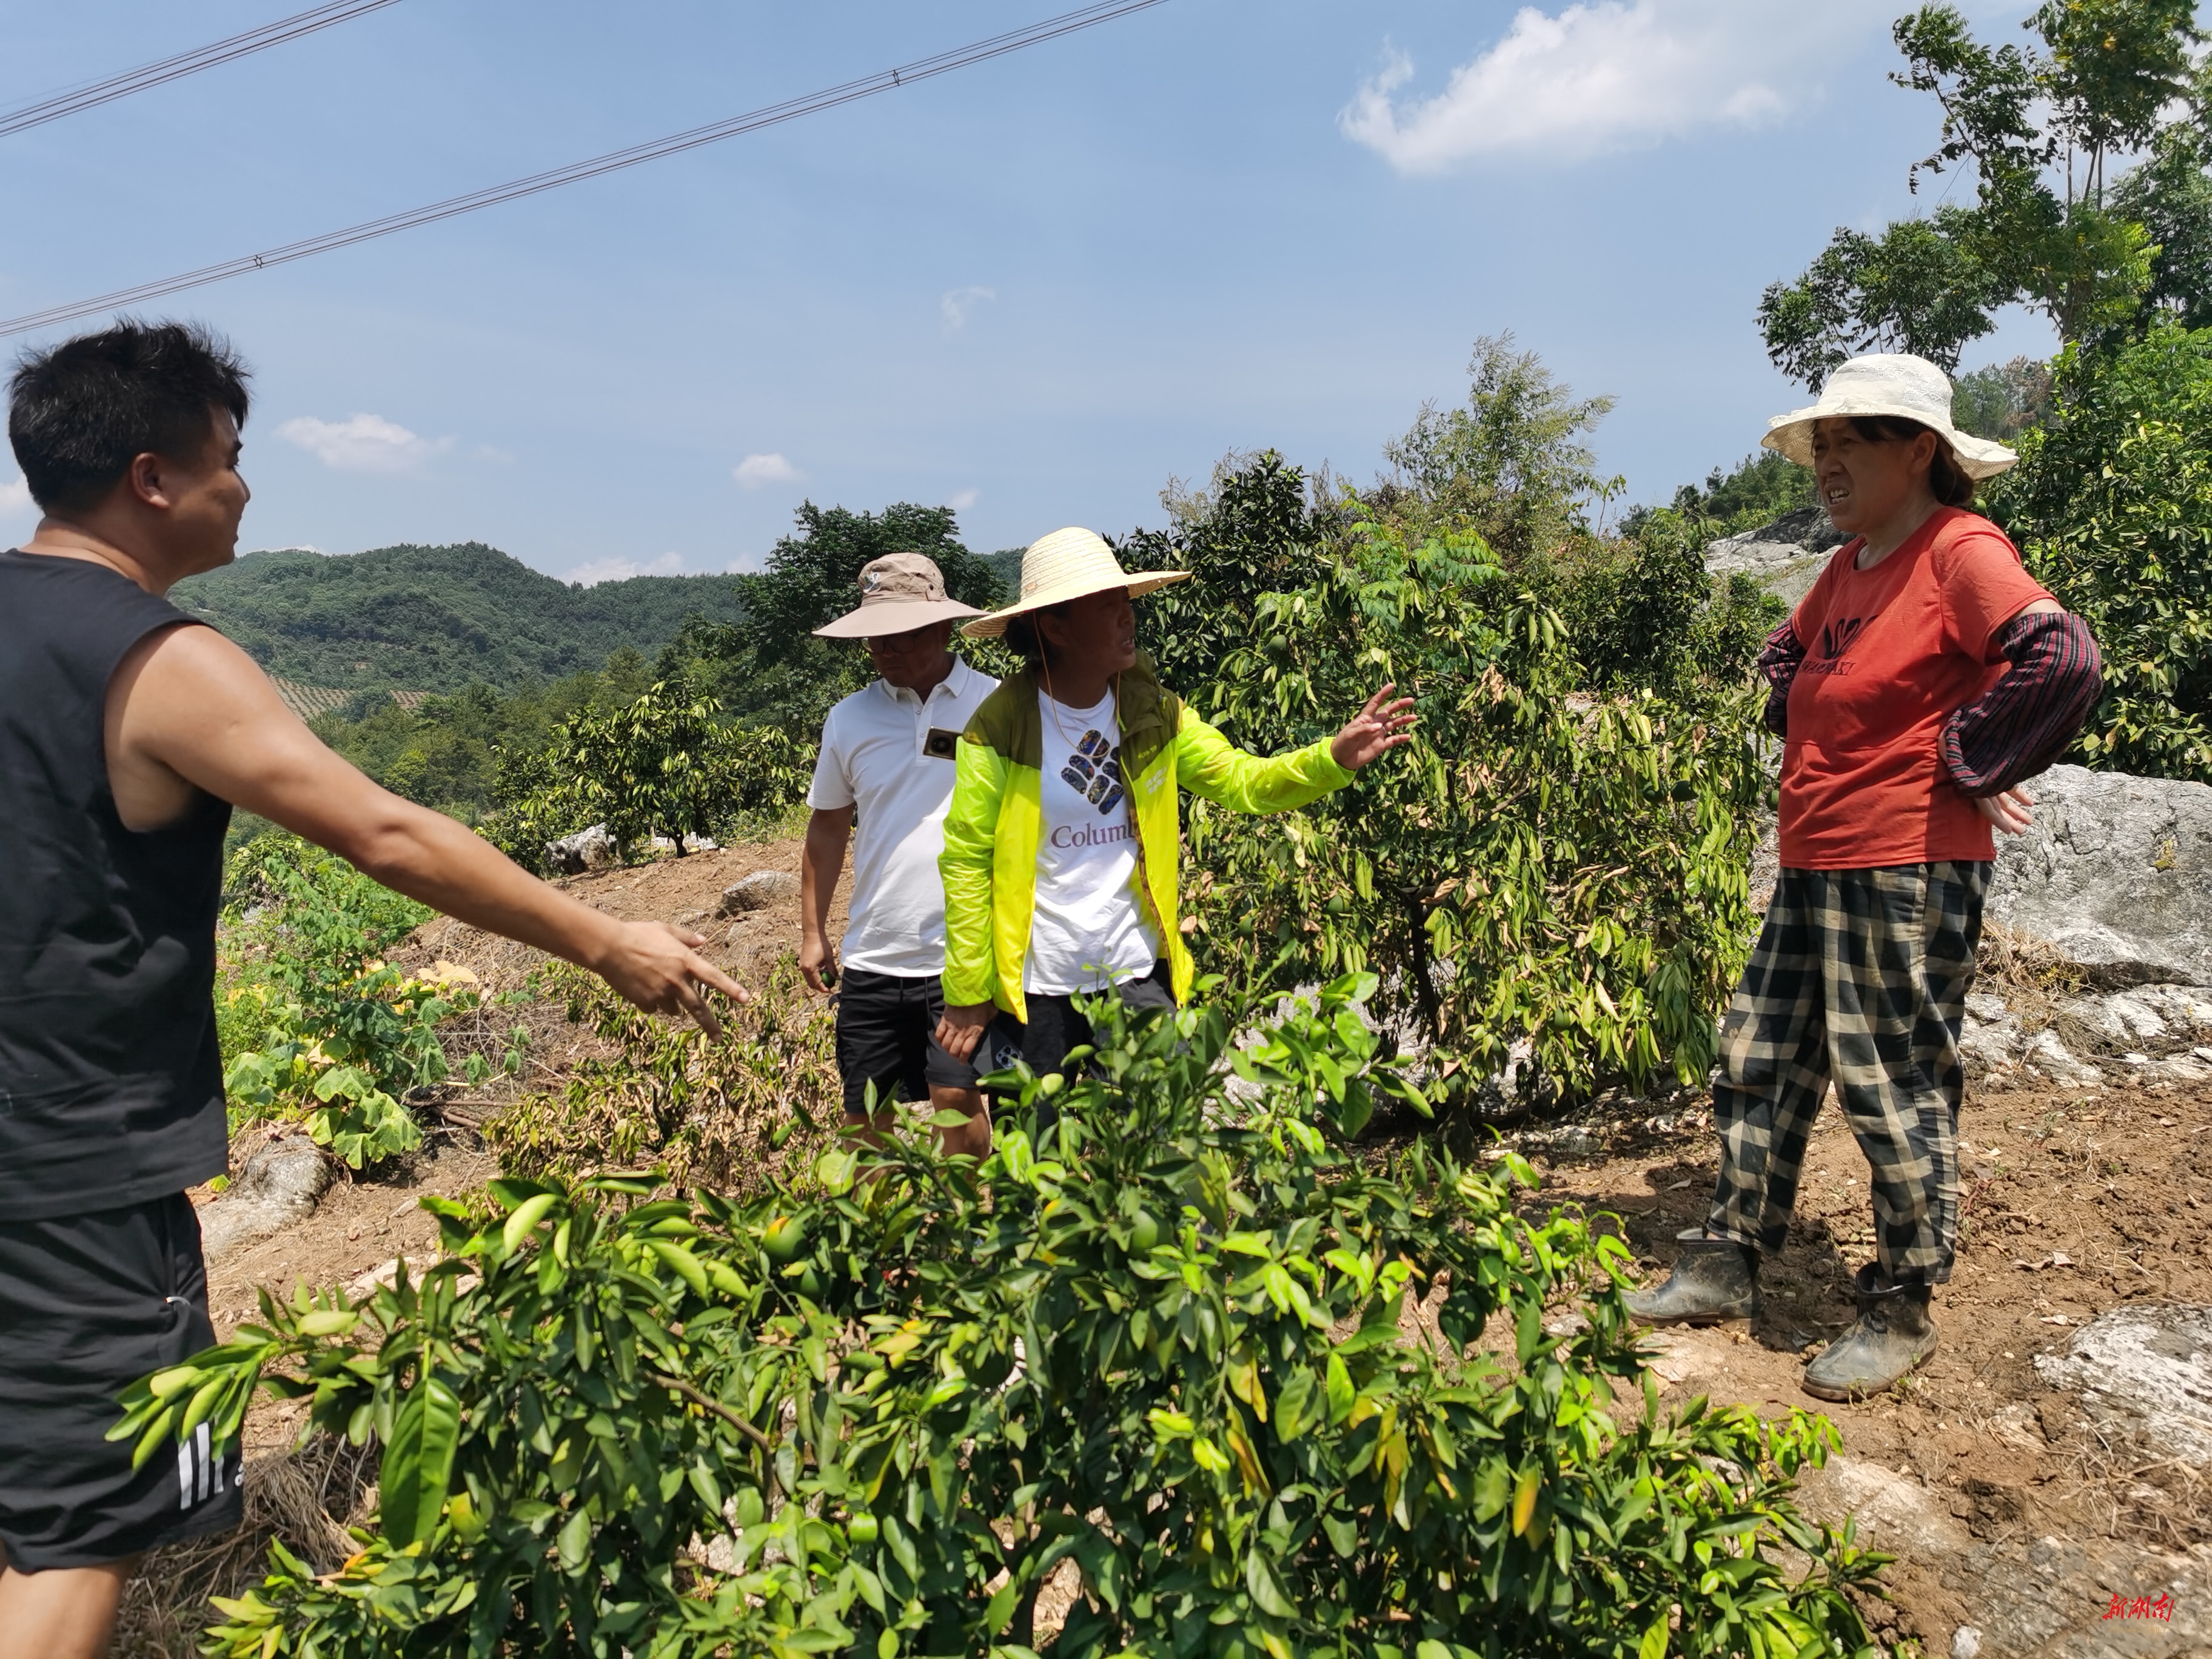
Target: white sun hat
[(1888, 383), (1068, 564)]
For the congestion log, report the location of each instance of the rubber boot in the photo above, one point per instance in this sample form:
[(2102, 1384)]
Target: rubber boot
[(1893, 1337), (1714, 1279)]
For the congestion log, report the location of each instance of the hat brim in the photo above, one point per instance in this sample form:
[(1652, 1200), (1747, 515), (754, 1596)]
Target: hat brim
[(1791, 436), (990, 627), (893, 617)]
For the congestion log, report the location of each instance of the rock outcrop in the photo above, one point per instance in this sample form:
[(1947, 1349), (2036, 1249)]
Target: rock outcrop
[(587, 849), (1785, 557), (2146, 1370), (279, 1186), (757, 893), (2117, 874)]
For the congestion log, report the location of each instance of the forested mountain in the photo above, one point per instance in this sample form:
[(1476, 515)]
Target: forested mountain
[(438, 618)]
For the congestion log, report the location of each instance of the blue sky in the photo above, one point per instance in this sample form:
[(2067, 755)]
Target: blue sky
[(1034, 290)]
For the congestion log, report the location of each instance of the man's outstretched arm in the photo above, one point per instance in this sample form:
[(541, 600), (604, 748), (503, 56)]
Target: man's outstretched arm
[(189, 708)]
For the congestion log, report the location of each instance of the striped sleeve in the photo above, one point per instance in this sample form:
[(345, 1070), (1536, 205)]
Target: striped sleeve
[(1779, 662), (2023, 723)]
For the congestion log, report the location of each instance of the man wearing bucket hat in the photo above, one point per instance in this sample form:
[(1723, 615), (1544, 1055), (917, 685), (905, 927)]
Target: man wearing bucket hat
[(1924, 676), (887, 755), (1061, 846)]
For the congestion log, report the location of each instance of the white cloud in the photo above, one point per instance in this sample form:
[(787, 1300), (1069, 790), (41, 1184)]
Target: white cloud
[(755, 471), (620, 568), (1607, 77), (961, 500), (956, 302), (361, 443), (16, 496)]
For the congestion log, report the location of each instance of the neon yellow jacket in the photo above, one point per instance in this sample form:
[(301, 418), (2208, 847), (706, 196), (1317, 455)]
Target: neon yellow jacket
[(992, 829)]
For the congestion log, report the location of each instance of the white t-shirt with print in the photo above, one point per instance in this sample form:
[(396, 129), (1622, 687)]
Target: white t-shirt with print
[(890, 756), (1089, 930)]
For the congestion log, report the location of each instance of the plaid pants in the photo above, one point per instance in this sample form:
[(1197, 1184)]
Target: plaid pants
[(1859, 976)]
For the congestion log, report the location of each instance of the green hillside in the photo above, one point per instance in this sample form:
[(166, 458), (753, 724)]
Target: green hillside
[(438, 618)]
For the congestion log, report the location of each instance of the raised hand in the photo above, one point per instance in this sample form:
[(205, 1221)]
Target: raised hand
[(1380, 726)]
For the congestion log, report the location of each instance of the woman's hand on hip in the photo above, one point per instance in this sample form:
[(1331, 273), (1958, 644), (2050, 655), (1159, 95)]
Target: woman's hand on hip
[(1377, 728), (962, 1028), (2007, 810)]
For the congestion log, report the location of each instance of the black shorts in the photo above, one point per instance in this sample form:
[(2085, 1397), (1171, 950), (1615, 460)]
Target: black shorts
[(1055, 1025), (88, 1305), (886, 1028)]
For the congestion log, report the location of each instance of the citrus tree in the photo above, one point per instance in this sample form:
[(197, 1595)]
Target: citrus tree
[(660, 765), (2111, 505), (1253, 1396), (1549, 872)]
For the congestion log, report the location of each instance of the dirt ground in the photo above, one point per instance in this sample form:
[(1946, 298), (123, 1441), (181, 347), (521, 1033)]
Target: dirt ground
[(2075, 1202), (362, 1225)]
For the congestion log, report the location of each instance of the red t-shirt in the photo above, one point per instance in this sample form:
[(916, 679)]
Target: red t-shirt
[(1890, 654)]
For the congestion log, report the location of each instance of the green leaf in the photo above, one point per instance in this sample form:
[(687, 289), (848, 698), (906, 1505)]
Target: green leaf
[(1265, 1588), (418, 1462), (575, 1543), (1340, 1392), (524, 1222), (1000, 1612), (1291, 1400)]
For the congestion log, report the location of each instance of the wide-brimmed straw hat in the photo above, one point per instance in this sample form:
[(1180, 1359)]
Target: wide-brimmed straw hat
[(899, 592), (1068, 564), (1888, 383)]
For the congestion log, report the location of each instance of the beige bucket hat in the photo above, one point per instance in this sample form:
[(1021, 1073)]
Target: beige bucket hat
[(1069, 564), (1888, 383), (899, 592)]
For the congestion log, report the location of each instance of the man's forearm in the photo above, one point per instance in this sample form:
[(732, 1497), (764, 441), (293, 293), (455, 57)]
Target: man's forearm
[(820, 861)]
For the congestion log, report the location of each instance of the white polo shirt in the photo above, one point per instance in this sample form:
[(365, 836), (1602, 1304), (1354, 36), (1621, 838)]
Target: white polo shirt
[(878, 756)]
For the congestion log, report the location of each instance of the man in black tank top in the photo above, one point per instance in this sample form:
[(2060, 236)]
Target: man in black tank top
[(127, 731)]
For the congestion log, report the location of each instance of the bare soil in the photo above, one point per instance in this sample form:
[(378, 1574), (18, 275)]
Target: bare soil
[(1974, 1471), (2074, 1204)]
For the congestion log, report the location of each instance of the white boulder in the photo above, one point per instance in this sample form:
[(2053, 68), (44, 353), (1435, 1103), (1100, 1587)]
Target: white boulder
[(587, 849), (2145, 1369), (2117, 874), (757, 893), (279, 1186)]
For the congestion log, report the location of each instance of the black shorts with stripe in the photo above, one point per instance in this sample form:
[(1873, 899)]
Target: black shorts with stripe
[(88, 1305)]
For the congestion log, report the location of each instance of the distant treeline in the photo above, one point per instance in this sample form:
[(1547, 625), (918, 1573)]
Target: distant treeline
[(440, 618)]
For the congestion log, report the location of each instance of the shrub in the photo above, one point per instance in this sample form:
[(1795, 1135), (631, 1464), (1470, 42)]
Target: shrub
[(324, 1028), (1641, 611), (657, 766), (2111, 505), (1546, 871), (715, 1112), (1169, 1345)]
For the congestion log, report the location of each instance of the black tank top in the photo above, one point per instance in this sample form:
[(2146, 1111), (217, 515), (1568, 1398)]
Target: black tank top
[(111, 1081)]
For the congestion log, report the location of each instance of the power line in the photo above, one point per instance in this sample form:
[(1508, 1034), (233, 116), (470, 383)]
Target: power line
[(187, 62), (922, 69)]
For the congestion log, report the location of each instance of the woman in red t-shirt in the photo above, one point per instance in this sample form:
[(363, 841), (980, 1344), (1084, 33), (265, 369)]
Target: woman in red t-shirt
[(1924, 677)]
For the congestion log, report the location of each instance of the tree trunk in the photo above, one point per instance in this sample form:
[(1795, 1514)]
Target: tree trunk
[(1432, 1013)]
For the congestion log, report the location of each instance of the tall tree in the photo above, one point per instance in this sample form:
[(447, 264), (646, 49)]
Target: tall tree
[(769, 669), (2042, 132)]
